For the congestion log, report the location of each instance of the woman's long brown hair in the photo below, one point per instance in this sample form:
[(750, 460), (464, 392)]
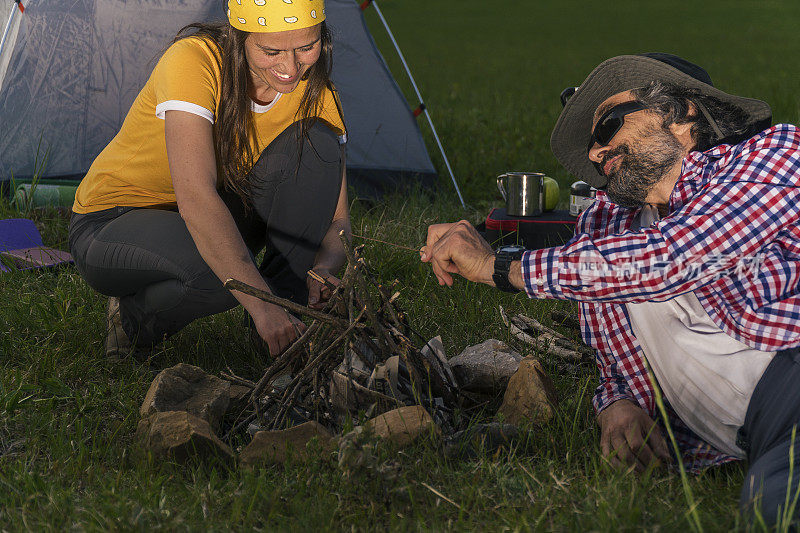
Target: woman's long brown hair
[(233, 126)]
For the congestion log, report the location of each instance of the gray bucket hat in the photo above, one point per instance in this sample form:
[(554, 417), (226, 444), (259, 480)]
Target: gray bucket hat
[(571, 134)]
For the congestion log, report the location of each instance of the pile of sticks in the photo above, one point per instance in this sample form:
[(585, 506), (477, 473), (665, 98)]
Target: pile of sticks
[(363, 318), (531, 331)]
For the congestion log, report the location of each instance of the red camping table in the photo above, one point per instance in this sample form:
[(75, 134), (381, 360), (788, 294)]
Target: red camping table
[(552, 228)]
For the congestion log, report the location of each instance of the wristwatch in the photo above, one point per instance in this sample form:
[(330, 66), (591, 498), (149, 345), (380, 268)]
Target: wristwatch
[(502, 262)]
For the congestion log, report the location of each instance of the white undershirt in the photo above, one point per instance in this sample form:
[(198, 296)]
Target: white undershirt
[(707, 375)]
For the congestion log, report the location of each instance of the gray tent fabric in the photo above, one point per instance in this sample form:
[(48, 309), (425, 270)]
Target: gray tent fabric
[(73, 68), (10, 15)]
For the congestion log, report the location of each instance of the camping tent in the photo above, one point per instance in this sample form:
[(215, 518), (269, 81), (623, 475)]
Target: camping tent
[(70, 69)]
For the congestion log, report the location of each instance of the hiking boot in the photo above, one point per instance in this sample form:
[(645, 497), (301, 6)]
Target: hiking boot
[(118, 345)]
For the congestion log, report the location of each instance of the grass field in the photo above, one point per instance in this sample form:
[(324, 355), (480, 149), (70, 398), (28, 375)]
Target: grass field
[(491, 74)]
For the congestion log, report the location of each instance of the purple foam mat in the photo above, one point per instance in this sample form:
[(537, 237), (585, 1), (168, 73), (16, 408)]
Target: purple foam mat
[(17, 233), (22, 242)]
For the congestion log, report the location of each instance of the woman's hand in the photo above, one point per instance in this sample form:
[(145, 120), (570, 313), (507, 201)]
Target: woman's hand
[(318, 292), (277, 328)]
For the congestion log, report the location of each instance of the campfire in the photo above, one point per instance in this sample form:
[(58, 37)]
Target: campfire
[(359, 354)]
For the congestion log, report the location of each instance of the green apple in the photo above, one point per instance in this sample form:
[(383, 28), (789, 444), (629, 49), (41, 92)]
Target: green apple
[(551, 194)]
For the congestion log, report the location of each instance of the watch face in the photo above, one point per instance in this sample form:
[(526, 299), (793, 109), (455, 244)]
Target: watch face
[(512, 249)]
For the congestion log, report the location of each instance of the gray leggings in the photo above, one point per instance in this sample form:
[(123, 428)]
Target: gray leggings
[(766, 436), (148, 258)]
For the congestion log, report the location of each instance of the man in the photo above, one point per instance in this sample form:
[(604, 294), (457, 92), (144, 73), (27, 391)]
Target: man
[(688, 262)]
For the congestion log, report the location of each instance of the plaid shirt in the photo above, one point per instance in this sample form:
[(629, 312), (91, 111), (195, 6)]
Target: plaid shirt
[(731, 235)]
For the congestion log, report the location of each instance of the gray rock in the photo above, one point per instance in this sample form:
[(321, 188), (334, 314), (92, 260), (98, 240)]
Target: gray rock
[(187, 388), (530, 397), (239, 399), (403, 426), (239, 393), (180, 435), (273, 447), (485, 367)]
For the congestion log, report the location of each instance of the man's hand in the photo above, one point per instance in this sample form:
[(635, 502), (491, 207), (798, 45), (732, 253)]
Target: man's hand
[(629, 438), (318, 292), (277, 328), (457, 248)]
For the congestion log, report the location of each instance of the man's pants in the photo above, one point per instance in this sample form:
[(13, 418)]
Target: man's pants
[(148, 258), (771, 484)]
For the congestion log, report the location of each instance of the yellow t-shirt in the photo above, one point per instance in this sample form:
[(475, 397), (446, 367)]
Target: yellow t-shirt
[(133, 169)]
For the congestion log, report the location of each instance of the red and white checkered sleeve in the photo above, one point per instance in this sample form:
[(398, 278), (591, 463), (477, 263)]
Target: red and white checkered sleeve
[(542, 270), (619, 359), (694, 246)]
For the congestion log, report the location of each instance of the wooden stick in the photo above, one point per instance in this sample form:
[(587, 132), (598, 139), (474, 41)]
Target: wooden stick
[(265, 296), (290, 396), (236, 379), (372, 317), (557, 344), (538, 326), (567, 344), (281, 361), (563, 353), (329, 348), (555, 338), (384, 294), (313, 275), (386, 242), (287, 402)]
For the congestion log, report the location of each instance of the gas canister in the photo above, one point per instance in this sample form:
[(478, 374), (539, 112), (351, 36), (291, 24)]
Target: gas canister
[(581, 196)]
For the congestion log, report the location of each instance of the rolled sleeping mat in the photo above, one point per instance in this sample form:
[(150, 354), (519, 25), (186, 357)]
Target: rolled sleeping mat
[(41, 195)]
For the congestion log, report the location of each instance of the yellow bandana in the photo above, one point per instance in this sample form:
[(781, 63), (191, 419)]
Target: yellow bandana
[(275, 15)]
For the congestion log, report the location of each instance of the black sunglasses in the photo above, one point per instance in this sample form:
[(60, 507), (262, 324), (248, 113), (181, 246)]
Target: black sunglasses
[(610, 123)]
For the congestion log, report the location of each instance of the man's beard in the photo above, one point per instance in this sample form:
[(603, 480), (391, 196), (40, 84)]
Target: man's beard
[(641, 167)]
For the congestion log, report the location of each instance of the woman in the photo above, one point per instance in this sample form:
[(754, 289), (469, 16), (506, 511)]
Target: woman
[(230, 147)]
